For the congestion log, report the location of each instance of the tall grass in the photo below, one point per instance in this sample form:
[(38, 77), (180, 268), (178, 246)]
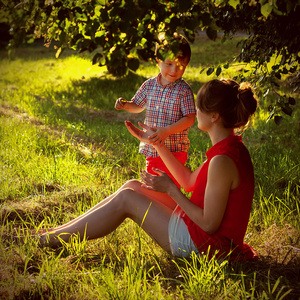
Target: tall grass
[(64, 148)]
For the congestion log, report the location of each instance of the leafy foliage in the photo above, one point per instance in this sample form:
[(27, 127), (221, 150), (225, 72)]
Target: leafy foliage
[(120, 33)]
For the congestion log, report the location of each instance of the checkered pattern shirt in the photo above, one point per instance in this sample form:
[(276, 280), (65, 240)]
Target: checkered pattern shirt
[(164, 106)]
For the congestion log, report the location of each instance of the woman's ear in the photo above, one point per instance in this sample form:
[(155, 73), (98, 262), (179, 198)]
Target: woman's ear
[(215, 116)]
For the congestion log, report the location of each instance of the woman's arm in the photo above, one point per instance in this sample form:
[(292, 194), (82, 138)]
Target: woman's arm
[(222, 177), (182, 174)]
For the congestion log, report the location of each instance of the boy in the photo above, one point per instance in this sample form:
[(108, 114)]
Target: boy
[(169, 103)]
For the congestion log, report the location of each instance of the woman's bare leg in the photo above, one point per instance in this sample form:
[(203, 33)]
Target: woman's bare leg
[(134, 185), (106, 218)]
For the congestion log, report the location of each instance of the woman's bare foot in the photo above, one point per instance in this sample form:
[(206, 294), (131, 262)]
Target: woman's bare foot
[(48, 239)]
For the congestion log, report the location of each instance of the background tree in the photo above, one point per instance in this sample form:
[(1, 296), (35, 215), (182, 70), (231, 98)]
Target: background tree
[(122, 33)]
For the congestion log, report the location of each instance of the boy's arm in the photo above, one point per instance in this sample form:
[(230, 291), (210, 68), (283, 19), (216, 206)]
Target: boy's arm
[(163, 132), (185, 122), (129, 106)]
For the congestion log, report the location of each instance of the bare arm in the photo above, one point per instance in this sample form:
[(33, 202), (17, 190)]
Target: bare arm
[(163, 132), (129, 106), (183, 175), (222, 177)]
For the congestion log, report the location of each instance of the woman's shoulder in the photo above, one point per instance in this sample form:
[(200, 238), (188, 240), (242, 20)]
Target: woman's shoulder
[(221, 161), (230, 146), (232, 153)]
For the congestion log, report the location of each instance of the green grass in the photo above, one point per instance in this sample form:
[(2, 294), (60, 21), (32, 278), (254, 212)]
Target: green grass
[(64, 148)]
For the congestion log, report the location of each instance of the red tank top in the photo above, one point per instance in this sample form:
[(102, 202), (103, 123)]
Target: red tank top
[(230, 235)]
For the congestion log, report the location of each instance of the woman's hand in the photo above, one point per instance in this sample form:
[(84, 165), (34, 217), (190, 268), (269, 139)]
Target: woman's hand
[(142, 135), (159, 183)]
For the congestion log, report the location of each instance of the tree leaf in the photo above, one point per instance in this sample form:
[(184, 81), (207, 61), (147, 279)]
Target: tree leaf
[(287, 110), (266, 9), (211, 33), (278, 119), (206, 19), (234, 3), (97, 57), (278, 75), (133, 64), (210, 71), (190, 35), (271, 115), (266, 92), (102, 2), (58, 52), (184, 5), (292, 101)]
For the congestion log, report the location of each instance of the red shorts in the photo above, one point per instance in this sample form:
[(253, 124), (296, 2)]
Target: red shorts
[(157, 163)]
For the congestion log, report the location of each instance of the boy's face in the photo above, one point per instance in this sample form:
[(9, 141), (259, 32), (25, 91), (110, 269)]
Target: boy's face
[(171, 70)]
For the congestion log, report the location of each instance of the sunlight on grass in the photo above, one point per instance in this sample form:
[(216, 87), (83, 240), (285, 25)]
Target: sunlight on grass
[(64, 148)]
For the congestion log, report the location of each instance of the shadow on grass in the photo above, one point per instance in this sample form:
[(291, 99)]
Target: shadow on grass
[(268, 272), (102, 92), (88, 104)]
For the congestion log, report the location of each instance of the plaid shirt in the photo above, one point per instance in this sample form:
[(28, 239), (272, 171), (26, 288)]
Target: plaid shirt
[(164, 106)]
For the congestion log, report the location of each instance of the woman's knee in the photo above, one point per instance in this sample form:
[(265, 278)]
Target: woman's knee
[(125, 194), (126, 200), (133, 184)]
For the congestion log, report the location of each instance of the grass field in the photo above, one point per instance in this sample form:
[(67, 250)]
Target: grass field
[(63, 148)]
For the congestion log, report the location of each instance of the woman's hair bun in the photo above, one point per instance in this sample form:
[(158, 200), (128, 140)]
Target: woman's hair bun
[(247, 97), (234, 102)]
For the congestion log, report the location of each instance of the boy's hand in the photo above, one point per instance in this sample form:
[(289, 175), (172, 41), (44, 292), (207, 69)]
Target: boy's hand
[(158, 138), (120, 103)]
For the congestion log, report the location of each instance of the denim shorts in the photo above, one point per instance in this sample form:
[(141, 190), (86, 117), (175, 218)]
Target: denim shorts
[(181, 243)]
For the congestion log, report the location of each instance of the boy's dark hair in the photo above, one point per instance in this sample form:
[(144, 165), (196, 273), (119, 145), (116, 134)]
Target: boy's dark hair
[(176, 46)]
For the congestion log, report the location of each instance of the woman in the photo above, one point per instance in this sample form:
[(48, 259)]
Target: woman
[(216, 215)]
